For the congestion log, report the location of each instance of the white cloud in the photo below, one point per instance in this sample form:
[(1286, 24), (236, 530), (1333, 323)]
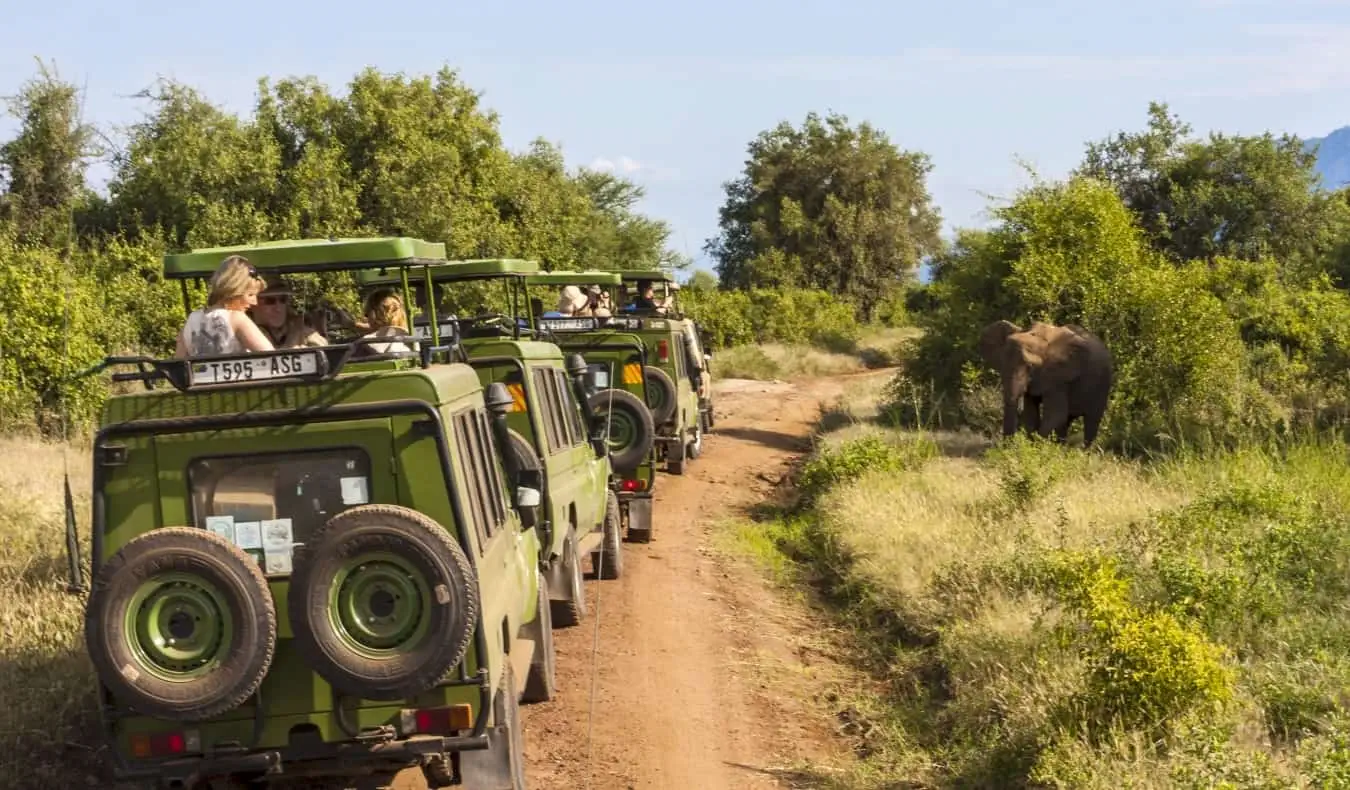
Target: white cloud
[(622, 164)]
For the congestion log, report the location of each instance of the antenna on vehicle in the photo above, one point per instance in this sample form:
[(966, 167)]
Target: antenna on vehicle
[(595, 638), (75, 582)]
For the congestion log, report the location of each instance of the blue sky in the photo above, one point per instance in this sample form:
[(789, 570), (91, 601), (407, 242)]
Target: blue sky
[(670, 93)]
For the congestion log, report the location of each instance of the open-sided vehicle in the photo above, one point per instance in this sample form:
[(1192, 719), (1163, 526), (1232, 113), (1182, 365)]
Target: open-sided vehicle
[(553, 434), (675, 373), (616, 360), (309, 566)]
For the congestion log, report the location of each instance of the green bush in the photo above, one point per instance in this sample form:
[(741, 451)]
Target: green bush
[(1205, 353), (788, 315), (855, 458)]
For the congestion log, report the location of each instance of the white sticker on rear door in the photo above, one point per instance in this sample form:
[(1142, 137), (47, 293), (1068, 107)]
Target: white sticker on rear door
[(222, 526), (248, 535), (355, 491), (277, 535), (277, 561)]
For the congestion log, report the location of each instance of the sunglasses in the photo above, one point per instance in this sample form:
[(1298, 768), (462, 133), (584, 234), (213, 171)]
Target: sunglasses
[(273, 299)]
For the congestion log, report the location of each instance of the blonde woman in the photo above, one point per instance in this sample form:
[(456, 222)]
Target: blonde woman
[(223, 326), (385, 317)]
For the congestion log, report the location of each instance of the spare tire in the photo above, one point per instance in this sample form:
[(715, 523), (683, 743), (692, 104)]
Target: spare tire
[(181, 625), (662, 396), (382, 602), (631, 430)]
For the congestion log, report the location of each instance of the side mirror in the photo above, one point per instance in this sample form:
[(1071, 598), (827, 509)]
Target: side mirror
[(527, 505), (527, 497), (597, 379)]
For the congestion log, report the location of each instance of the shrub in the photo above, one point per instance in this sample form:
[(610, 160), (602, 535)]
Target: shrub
[(855, 458)]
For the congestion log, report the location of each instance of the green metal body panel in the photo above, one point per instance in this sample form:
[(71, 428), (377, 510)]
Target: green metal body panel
[(151, 489), (621, 353), (310, 255), (654, 275), (577, 480), (593, 277), (445, 271)]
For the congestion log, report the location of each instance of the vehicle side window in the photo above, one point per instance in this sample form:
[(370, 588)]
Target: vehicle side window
[(485, 476), (677, 356), (571, 409), (492, 475), (472, 496), (557, 428)]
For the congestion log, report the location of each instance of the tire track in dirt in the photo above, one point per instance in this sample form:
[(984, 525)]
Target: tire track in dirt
[(693, 650)]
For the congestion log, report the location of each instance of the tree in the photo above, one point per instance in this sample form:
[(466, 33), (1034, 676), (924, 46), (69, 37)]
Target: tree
[(1240, 197), (827, 205), (42, 168)]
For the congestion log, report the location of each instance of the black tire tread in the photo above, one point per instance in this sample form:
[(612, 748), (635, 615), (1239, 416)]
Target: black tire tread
[(631, 458), (609, 561), (658, 378), (177, 542), (434, 670)]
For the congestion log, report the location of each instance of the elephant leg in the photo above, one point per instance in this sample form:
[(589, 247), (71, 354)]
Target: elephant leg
[(1031, 414), (1056, 414), (1091, 423)]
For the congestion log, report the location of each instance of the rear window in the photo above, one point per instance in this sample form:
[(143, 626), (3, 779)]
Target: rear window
[(269, 504)]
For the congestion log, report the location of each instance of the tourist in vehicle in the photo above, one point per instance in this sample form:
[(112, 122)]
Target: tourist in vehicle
[(570, 302), (282, 325), (223, 325), (645, 300), (385, 317), (597, 302)]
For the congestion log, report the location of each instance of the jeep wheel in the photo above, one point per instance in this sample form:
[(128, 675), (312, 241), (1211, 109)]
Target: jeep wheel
[(608, 561), (181, 625), (631, 429), (382, 602), (695, 448), (501, 766), (542, 681), (662, 397), (570, 611)]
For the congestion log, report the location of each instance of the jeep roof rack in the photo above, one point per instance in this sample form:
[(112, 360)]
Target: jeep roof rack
[(654, 275), (297, 256)]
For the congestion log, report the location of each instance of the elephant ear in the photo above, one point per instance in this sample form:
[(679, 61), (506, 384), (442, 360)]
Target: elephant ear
[(993, 338)]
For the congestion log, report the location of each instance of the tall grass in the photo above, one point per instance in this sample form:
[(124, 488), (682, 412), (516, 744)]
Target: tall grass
[(877, 347), (47, 701), (1044, 616)]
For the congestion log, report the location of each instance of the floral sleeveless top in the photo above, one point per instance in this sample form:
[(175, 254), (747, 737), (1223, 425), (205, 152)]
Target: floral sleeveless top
[(209, 332)]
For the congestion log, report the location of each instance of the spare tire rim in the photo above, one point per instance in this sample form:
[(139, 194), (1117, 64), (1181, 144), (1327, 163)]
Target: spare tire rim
[(622, 431), (656, 398), (179, 625), (379, 604)]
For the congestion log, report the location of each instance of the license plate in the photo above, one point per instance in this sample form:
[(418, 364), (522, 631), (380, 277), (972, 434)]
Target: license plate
[(569, 323), (259, 368)]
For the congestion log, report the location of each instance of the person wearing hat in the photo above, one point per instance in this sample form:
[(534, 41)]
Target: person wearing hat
[(282, 325)]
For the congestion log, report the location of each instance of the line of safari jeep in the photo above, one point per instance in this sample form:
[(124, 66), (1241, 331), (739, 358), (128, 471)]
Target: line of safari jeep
[(333, 564)]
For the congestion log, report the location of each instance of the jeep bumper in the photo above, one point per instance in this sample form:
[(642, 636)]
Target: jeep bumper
[(338, 759)]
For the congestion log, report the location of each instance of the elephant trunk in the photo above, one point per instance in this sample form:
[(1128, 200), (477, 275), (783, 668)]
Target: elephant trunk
[(1014, 389)]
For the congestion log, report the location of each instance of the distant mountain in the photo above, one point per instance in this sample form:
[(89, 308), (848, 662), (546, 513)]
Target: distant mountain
[(1333, 157)]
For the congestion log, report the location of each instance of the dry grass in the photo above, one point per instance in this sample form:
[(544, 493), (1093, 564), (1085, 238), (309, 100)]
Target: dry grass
[(877, 348), (46, 684), (987, 671)]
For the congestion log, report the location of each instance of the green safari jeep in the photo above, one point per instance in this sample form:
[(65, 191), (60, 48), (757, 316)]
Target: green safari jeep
[(615, 360), (551, 432), (307, 566), (675, 373)]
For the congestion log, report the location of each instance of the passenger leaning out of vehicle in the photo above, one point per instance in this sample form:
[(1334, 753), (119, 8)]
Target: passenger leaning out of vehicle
[(645, 300), (223, 326), (385, 317), (571, 301), (282, 325)]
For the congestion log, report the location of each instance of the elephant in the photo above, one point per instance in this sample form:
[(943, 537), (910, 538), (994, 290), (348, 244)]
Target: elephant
[(1060, 373)]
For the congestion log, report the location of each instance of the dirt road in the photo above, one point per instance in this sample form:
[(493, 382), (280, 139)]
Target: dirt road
[(697, 659)]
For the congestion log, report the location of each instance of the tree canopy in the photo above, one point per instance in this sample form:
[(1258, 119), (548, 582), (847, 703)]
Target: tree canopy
[(826, 205)]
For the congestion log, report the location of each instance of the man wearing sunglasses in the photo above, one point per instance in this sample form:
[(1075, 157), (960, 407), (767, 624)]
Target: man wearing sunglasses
[(282, 325)]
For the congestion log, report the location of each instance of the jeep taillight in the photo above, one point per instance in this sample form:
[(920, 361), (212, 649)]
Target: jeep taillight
[(631, 485), (166, 744), (437, 721), (662, 350)]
